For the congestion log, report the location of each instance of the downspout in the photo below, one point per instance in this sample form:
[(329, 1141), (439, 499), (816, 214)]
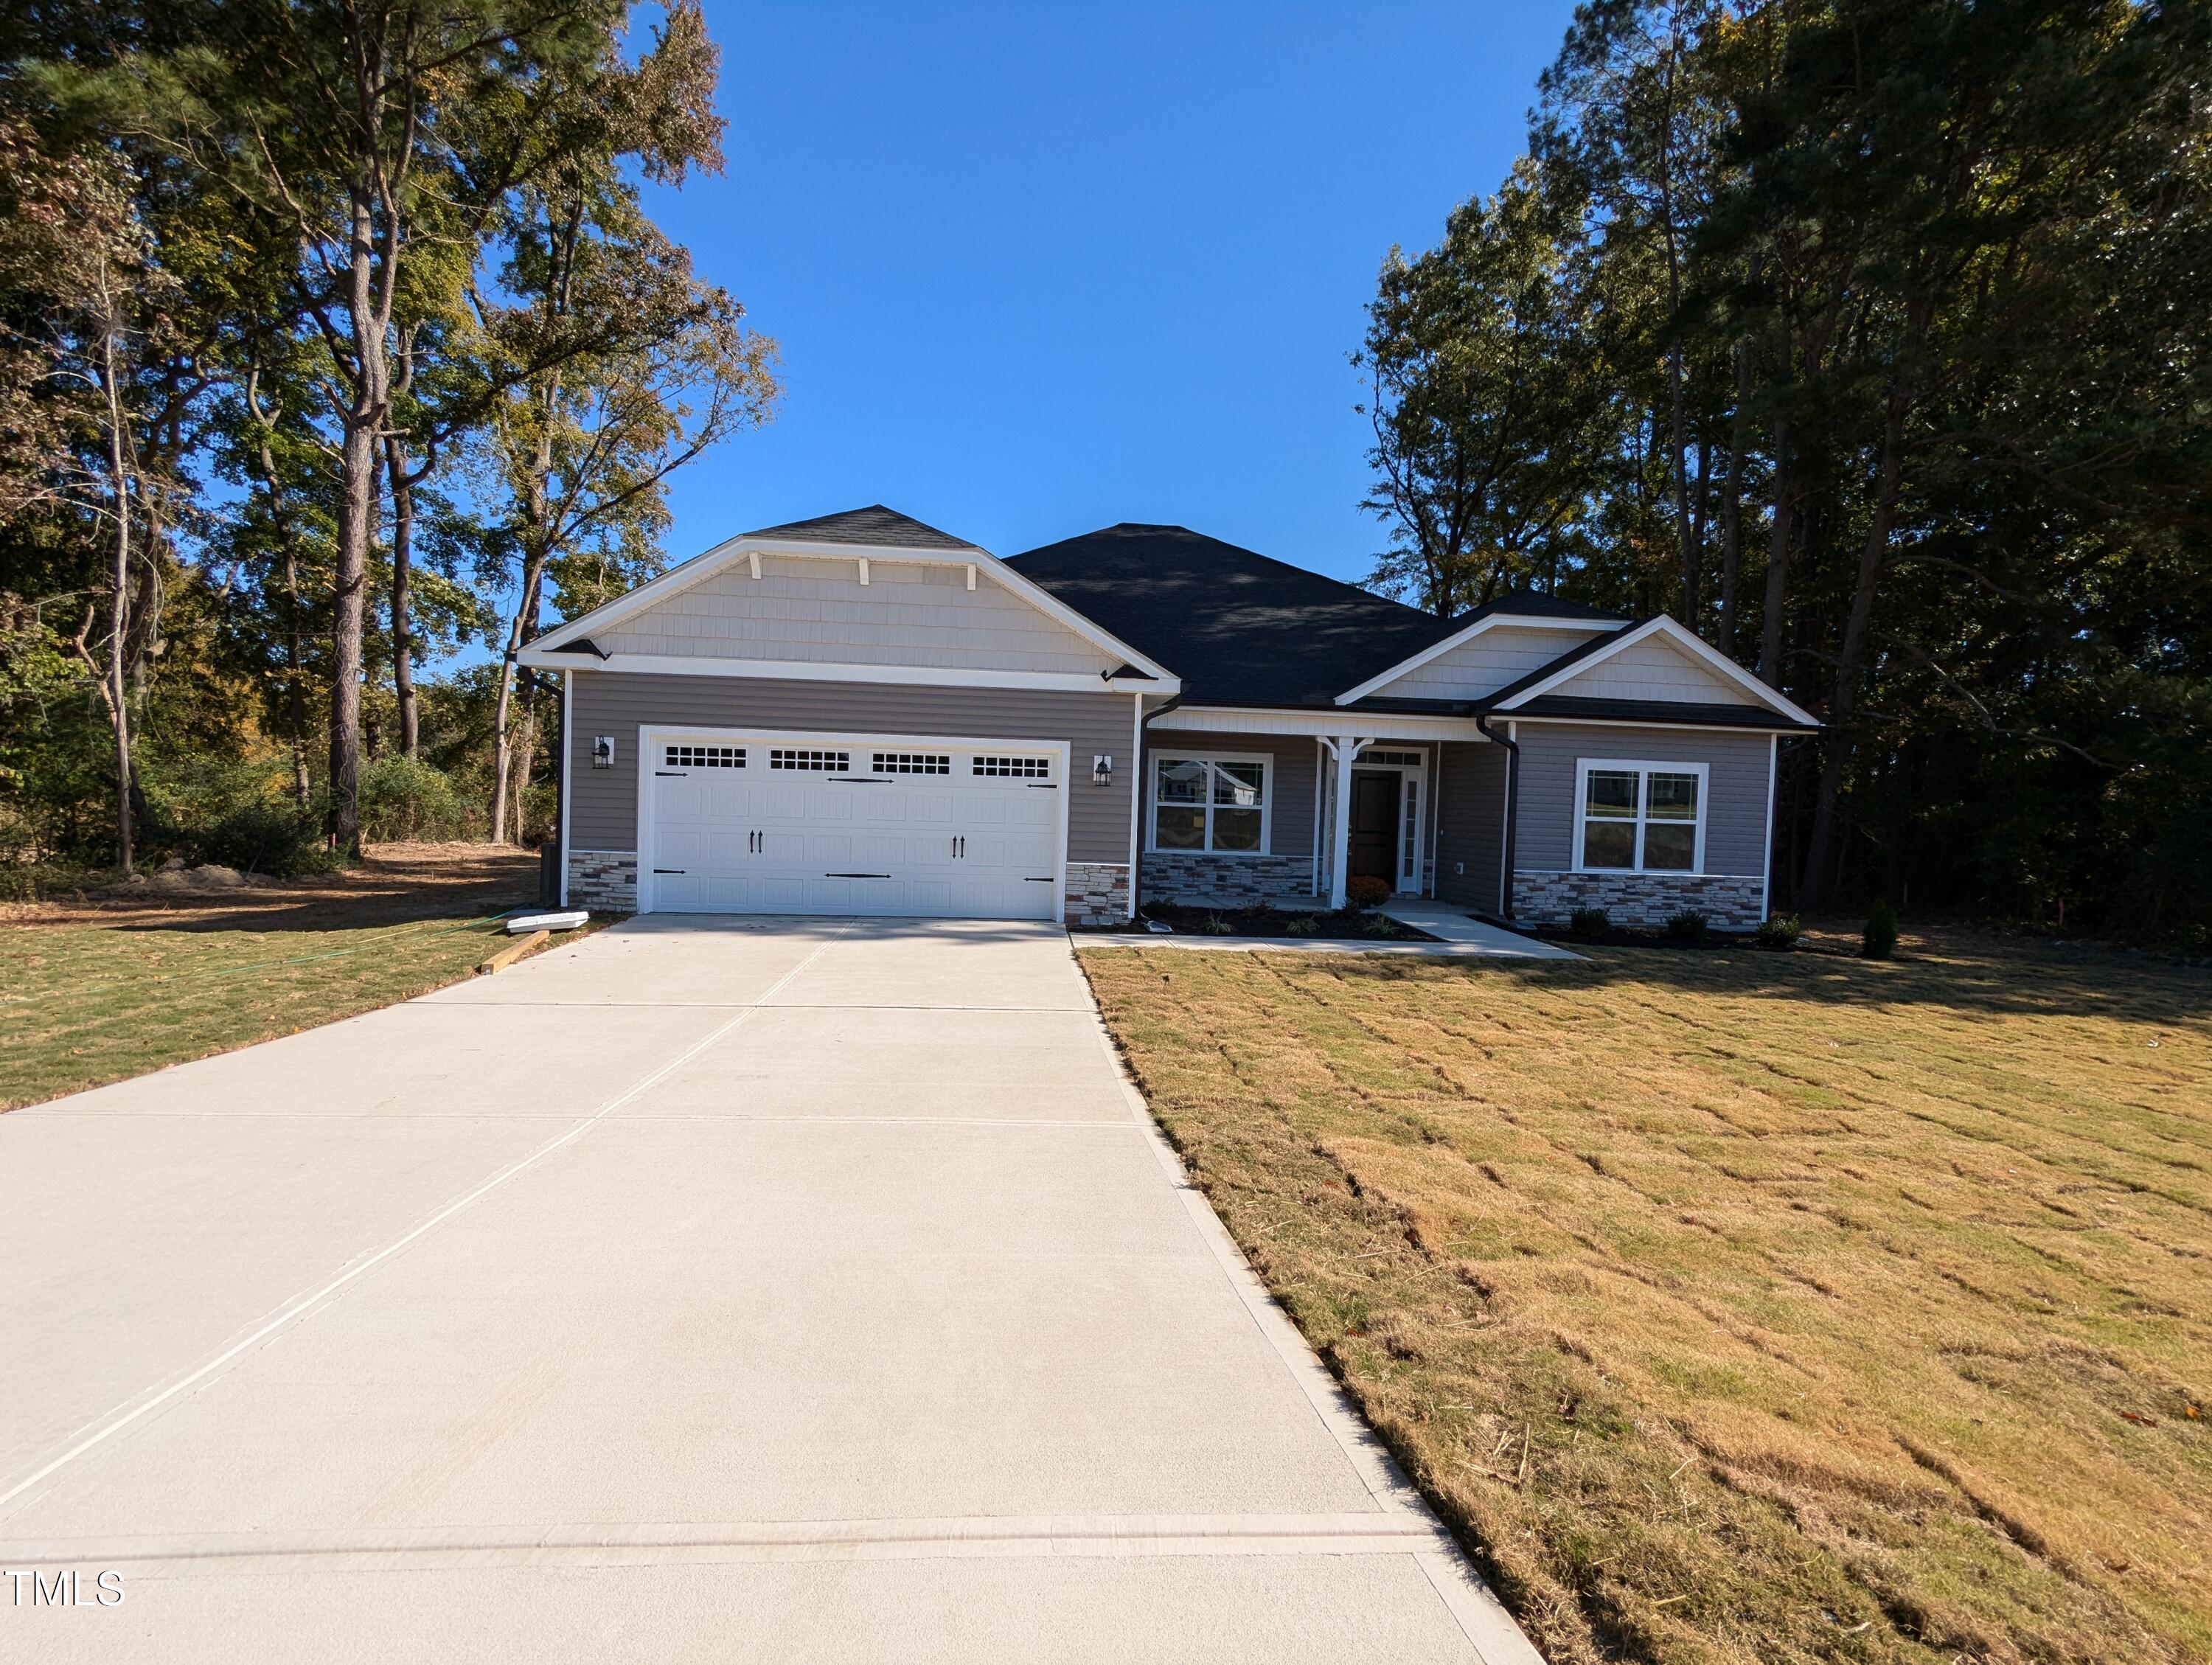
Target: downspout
[(1140, 790), (1512, 810)]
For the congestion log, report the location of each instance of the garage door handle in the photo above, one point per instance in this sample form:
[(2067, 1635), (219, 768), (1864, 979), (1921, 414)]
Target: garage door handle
[(1044, 786), (959, 849), (669, 870), (1037, 881), (856, 875)]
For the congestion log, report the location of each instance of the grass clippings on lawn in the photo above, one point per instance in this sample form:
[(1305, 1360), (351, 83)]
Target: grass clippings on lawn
[(96, 992), (1743, 1307)]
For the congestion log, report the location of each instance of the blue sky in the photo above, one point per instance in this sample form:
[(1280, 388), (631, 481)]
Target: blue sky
[(1037, 269)]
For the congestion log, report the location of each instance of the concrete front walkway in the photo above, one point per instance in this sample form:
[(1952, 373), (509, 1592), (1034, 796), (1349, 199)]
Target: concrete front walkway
[(733, 1289)]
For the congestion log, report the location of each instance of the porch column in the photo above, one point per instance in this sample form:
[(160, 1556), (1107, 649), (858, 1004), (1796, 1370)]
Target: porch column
[(1346, 748)]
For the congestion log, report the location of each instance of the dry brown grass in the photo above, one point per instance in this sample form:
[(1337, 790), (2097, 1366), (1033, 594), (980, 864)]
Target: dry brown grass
[(1743, 1307)]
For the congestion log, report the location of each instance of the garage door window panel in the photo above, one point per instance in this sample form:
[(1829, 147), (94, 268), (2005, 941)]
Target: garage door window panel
[(1214, 804)]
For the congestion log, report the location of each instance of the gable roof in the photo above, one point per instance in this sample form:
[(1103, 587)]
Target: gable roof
[(1242, 628), (884, 528), (1534, 695), (854, 530)]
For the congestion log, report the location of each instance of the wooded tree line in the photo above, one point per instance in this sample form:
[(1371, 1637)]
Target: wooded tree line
[(1870, 340), (334, 335)]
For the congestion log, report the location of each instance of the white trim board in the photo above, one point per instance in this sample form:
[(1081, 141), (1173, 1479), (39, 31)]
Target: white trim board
[(1321, 724), (1496, 620), (725, 555), (651, 735), (923, 676), (1689, 642)]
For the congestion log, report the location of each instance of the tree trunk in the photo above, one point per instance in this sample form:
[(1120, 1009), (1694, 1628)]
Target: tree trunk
[(1820, 845), (517, 632), (1778, 565), (360, 464), (115, 688), (525, 750), (1732, 504), (403, 626)]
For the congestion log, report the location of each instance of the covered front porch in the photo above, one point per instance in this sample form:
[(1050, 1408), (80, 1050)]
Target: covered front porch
[(1288, 807)]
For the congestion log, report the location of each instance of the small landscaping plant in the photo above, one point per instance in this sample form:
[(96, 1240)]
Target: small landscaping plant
[(1780, 931), (1588, 924), (1305, 925), (1367, 891), (1688, 925), (1215, 926), (1879, 940)]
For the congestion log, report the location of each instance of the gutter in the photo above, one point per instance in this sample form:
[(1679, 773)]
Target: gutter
[(1513, 809)]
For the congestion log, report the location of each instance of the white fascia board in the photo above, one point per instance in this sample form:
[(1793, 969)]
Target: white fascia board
[(703, 567), (925, 676), (1691, 643), (1525, 621), (1321, 725)]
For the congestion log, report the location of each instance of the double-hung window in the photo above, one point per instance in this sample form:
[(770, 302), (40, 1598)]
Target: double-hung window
[(1639, 818), (1211, 803)]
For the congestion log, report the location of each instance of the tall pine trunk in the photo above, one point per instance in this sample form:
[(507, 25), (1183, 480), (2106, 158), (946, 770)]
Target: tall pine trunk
[(1819, 847), (1777, 564), (402, 623), (1732, 504), (360, 463)]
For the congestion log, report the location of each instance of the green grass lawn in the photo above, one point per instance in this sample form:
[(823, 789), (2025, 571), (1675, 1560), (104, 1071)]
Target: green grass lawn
[(1737, 1306), (84, 1004)]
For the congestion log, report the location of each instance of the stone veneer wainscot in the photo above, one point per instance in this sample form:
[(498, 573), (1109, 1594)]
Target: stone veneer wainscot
[(1098, 893), (1227, 881), (604, 880), (1728, 902)]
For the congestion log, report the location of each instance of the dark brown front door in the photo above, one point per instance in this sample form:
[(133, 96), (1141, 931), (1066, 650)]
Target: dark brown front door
[(1374, 828)]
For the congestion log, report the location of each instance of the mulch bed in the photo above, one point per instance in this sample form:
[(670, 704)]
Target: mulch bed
[(1344, 922)]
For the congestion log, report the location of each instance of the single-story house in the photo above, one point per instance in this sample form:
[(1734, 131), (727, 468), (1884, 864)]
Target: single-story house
[(860, 714)]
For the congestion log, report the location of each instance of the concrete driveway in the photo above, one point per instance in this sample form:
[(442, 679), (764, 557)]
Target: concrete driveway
[(724, 1289)]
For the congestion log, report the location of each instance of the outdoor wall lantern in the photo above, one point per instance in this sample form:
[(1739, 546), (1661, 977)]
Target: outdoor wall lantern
[(603, 751), (1101, 769)]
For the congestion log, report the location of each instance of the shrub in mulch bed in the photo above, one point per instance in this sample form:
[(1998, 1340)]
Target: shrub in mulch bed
[(1195, 922)]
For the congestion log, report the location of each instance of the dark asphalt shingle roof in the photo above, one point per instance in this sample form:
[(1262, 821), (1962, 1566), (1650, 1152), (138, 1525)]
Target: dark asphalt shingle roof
[(1238, 627), (887, 528)]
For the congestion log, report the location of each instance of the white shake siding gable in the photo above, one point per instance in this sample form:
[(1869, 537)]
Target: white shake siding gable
[(817, 610)]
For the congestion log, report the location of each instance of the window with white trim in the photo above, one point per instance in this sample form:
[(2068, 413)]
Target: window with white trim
[(1638, 817), (831, 762), (1210, 803), (914, 763), (706, 757), (1016, 768)]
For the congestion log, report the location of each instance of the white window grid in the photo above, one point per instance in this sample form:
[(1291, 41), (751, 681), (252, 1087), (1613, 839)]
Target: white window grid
[(690, 757), (831, 762), (913, 762), (1159, 762), (1391, 759), (1015, 769), (1643, 770)]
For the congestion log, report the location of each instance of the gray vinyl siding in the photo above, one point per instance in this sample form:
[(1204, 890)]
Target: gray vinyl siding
[(1470, 806), (1736, 811), (603, 803), (1295, 776)]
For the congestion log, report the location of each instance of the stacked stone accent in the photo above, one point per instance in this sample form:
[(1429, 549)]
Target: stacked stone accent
[(604, 880), (1098, 893), (1227, 881), (1646, 901)]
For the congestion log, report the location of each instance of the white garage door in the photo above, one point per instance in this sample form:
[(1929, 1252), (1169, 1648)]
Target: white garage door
[(811, 824)]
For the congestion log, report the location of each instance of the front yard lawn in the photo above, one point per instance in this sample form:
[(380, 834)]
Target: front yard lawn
[(96, 991), (1739, 1306)]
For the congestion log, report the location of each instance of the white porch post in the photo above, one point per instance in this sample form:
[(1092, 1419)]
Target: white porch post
[(1346, 748)]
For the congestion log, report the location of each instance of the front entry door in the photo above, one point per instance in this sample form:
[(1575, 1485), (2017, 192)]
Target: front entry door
[(1374, 853)]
